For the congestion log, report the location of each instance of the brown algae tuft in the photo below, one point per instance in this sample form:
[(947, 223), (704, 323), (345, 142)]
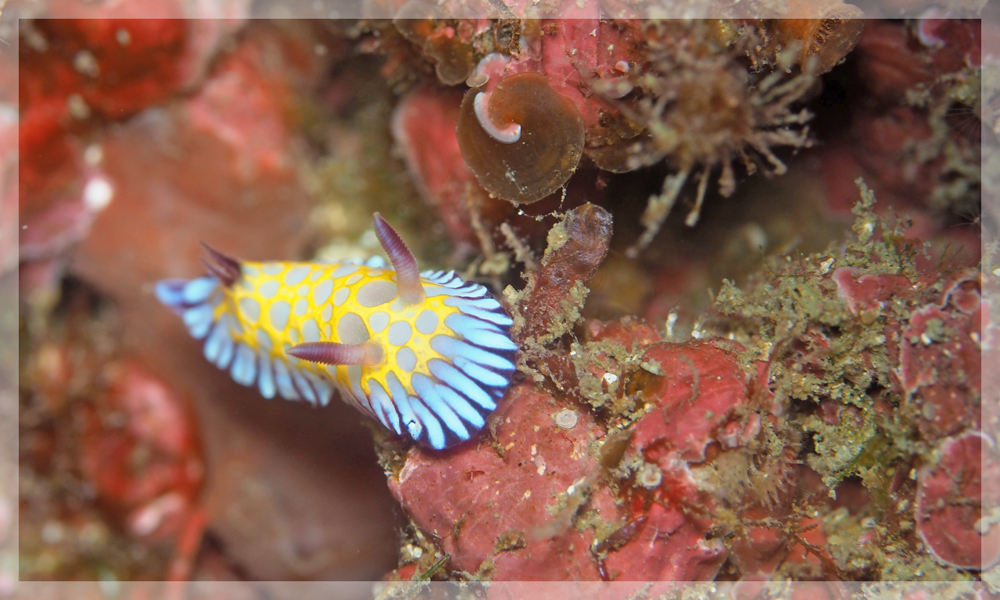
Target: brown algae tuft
[(833, 328)]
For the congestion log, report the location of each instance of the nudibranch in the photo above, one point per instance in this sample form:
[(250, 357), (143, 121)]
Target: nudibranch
[(426, 354)]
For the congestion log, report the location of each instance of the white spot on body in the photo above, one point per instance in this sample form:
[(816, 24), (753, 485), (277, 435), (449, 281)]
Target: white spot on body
[(301, 306), (322, 292), (297, 274), (264, 340), (376, 293), (279, 314), (310, 330), (250, 309), (353, 279), (400, 333), (341, 295), (343, 271), (427, 322), (272, 268), (327, 313), (406, 359), (378, 321), (269, 289), (351, 329)]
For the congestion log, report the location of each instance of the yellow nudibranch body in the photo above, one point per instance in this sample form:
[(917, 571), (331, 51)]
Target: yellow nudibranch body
[(427, 355)]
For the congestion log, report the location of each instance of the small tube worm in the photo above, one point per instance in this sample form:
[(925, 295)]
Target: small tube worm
[(507, 134)]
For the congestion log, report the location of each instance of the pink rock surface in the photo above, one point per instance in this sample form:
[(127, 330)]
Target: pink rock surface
[(704, 387), (468, 498), (97, 63), (669, 546), (938, 358), (424, 128), (275, 469), (157, 493), (696, 410), (291, 492), (87, 57), (248, 101), (941, 365), (894, 57), (516, 486), (953, 498), (868, 292)]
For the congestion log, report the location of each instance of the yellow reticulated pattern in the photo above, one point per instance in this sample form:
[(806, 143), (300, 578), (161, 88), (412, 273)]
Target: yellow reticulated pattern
[(446, 360), (294, 303)]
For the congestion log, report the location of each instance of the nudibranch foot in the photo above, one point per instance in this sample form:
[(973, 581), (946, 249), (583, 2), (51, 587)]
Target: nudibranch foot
[(426, 354)]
